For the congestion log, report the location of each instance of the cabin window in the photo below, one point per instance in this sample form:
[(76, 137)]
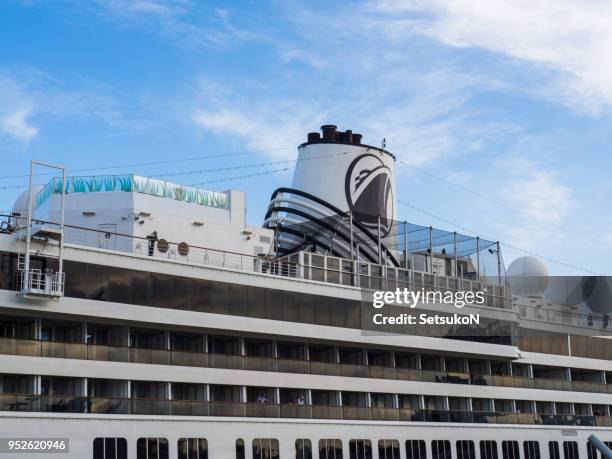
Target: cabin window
[(570, 450), (388, 449), (531, 449), (591, 451), (192, 448), (510, 450), (488, 449), (152, 448), (240, 449), (360, 449), (330, 449), (466, 449), (441, 449), (265, 448), (303, 449), (415, 449), (110, 448), (553, 450)]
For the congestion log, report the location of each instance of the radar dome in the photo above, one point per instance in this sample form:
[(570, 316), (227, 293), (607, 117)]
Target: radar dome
[(20, 208), (528, 277)]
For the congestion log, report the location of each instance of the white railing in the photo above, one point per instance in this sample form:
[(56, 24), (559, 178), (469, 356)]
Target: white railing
[(45, 285)]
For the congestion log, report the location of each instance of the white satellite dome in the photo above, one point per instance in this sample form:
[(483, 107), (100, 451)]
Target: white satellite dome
[(20, 208), (528, 277)]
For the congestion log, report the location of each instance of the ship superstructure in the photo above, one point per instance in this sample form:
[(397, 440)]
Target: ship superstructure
[(144, 319)]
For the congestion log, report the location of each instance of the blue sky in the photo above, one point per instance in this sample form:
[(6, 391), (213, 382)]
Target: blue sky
[(498, 110)]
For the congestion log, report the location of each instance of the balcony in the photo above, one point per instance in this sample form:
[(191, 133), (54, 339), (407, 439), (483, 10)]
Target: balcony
[(101, 405), (37, 348)]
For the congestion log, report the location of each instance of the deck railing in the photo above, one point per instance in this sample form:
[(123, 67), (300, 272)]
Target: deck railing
[(308, 266), (82, 351), (133, 406)]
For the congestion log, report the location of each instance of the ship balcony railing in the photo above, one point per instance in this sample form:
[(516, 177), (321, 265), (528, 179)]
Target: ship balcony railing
[(302, 265), (322, 268), (157, 407), (42, 284), (82, 351)]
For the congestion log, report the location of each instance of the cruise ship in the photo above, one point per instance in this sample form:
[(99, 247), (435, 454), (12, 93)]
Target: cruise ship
[(145, 319)]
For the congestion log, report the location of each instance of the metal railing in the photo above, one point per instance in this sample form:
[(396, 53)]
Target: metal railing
[(317, 267), (128, 406), (38, 348), (304, 265), (35, 282)]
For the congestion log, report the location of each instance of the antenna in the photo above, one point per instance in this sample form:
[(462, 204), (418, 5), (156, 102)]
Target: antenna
[(383, 144)]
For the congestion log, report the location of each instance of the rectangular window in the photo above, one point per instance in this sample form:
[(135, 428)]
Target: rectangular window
[(240, 449), (570, 450), (330, 449), (553, 450), (466, 449), (388, 449), (488, 449), (192, 448), (415, 449), (360, 449), (591, 451), (110, 448), (265, 448), (531, 449), (510, 450), (440, 449), (152, 448), (303, 449)]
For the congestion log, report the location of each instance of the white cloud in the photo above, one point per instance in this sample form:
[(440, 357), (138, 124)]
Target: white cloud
[(15, 123), (541, 203), (16, 109), (571, 37), (273, 132)]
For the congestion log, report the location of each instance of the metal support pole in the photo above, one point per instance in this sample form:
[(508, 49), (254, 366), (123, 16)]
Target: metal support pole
[(406, 244), (26, 274), (478, 257), (601, 446), (455, 253), (499, 275), (351, 234), (61, 245), (430, 249), (379, 244)]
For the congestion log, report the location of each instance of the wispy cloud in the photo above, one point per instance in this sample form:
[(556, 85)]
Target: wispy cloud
[(541, 202), (16, 110), (571, 37)]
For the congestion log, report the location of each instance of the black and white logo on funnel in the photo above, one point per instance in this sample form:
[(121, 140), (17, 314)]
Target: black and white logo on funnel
[(369, 192)]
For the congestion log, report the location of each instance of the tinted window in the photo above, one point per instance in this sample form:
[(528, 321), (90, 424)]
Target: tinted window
[(570, 450), (240, 449), (303, 449), (265, 448), (553, 450), (360, 449), (466, 449), (488, 449), (152, 448), (174, 292), (192, 448), (510, 450), (531, 449), (388, 449), (440, 449), (110, 448), (330, 449), (415, 449)]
